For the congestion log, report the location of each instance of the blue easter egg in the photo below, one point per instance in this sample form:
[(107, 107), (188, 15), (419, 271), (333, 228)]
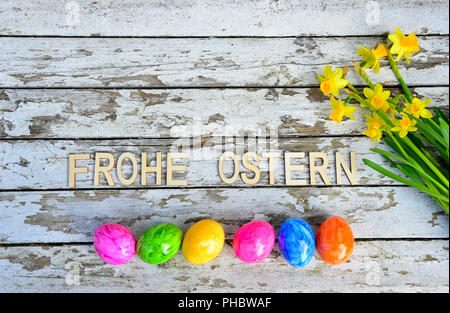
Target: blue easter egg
[(296, 241)]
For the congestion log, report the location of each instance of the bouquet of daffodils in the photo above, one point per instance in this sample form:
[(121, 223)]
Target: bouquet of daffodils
[(419, 139)]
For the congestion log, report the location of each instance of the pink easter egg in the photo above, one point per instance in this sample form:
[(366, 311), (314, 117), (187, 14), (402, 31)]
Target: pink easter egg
[(114, 243), (254, 241)]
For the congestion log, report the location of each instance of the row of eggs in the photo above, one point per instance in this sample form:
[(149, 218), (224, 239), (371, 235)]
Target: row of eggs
[(204, 240)]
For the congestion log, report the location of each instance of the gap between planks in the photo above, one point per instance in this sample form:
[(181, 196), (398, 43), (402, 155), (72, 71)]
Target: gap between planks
[(184, 138), (212, 37), (213, 18), (207, 87), (203, 187)]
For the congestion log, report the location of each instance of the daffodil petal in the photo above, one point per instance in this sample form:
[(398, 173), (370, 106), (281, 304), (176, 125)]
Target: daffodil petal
[(385, 94), (369, 93), (341, 83)]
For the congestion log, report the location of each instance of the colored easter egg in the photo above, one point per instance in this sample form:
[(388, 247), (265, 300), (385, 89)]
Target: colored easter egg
[(296, 241), (203, 242), (254, 241), (335, 240), (114, 243), (159, 243)]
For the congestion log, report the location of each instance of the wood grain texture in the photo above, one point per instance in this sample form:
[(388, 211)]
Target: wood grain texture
[(220, 18), (43, 164), (101, 113), (73, 216), (377, 266), (213, 62)]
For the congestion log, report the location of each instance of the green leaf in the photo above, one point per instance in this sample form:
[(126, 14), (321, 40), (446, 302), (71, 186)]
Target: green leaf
[(391, 144), (391, 163), (440, 114), (424, 128), (444, 130), (389, 154), (409, 171), (388, 173)]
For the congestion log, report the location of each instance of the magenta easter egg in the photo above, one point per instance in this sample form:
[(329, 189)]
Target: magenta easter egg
[(254, 241), (114, 243)]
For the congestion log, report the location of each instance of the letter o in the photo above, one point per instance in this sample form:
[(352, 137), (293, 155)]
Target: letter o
[(123, 180), (235, 176)]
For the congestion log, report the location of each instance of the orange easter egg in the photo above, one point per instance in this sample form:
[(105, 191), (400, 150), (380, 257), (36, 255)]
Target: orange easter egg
[(334, 240)]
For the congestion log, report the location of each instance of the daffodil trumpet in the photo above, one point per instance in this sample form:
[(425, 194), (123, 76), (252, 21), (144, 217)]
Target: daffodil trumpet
[(418, 138)]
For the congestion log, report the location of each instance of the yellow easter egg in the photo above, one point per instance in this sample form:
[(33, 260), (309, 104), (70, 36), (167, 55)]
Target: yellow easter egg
[(203, 242)]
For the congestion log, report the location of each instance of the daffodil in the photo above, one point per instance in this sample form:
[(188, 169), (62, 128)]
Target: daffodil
[(377, 97), (403, 45), (374, 121), (341, 110), (392, 109), (404, 126), (418, 108), (374, 133), (374, 127), (332, 81), (371, 57)]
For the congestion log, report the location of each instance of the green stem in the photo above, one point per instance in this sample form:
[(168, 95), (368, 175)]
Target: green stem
[(352, 88), (399, 146), (399, 77), (364, 76), (349, 98), (427, 161)]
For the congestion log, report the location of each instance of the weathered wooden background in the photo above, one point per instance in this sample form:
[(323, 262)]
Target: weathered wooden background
[(117, 76)]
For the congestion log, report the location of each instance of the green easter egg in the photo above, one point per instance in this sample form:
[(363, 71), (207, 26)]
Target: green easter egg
[(159, 243)]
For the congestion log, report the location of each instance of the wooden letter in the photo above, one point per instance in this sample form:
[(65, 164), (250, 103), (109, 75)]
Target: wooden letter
[(104, 169), (313, 168), (171, 168), (151, 169), (271, 156), (73, 169), (252, 167), (233, 178), (134, 170), (351, 174), (288, 167)]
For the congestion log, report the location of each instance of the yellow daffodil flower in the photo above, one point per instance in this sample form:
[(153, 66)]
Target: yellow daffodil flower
[(377, 97), (332, 81), (341, 110), (370, 57), (403, 45), (374, 121), (374, 133), (374, 127), (418, 108), (404, 126)]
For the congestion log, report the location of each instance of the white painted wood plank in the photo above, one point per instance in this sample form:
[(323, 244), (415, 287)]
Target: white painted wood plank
[(375, 266), (55, 113), (220, 18), (43, 164), (73, 216), (141, 62)]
